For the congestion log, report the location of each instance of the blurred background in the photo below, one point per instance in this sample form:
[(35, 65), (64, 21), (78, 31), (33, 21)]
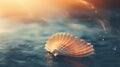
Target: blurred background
[(25, 26)]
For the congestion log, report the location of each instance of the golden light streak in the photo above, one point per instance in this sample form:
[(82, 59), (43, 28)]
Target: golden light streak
[(103, 24)]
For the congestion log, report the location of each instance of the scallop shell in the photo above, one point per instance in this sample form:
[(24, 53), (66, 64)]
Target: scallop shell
[(68, 45)]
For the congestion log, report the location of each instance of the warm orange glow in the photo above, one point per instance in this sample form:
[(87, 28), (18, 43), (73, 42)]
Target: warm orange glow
[(11, 8), (36, 8)]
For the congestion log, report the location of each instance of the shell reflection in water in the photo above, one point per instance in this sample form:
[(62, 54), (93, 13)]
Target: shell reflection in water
[(68, 45)]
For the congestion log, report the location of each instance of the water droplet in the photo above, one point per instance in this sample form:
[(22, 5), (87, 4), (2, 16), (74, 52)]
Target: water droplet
[(103, 39), (115, 48)]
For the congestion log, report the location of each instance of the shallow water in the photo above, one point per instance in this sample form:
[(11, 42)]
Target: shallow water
[(25, 46)]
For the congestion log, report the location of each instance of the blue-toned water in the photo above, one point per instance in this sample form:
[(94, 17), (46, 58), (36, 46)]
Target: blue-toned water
[(24, 47)]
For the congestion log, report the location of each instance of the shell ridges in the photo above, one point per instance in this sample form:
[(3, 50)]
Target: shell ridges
[(68, 45)]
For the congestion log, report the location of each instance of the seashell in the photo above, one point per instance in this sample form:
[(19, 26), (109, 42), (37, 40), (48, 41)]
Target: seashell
[(68, 45)]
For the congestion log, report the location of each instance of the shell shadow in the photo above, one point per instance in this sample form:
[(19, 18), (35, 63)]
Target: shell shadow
[(66, 61)]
